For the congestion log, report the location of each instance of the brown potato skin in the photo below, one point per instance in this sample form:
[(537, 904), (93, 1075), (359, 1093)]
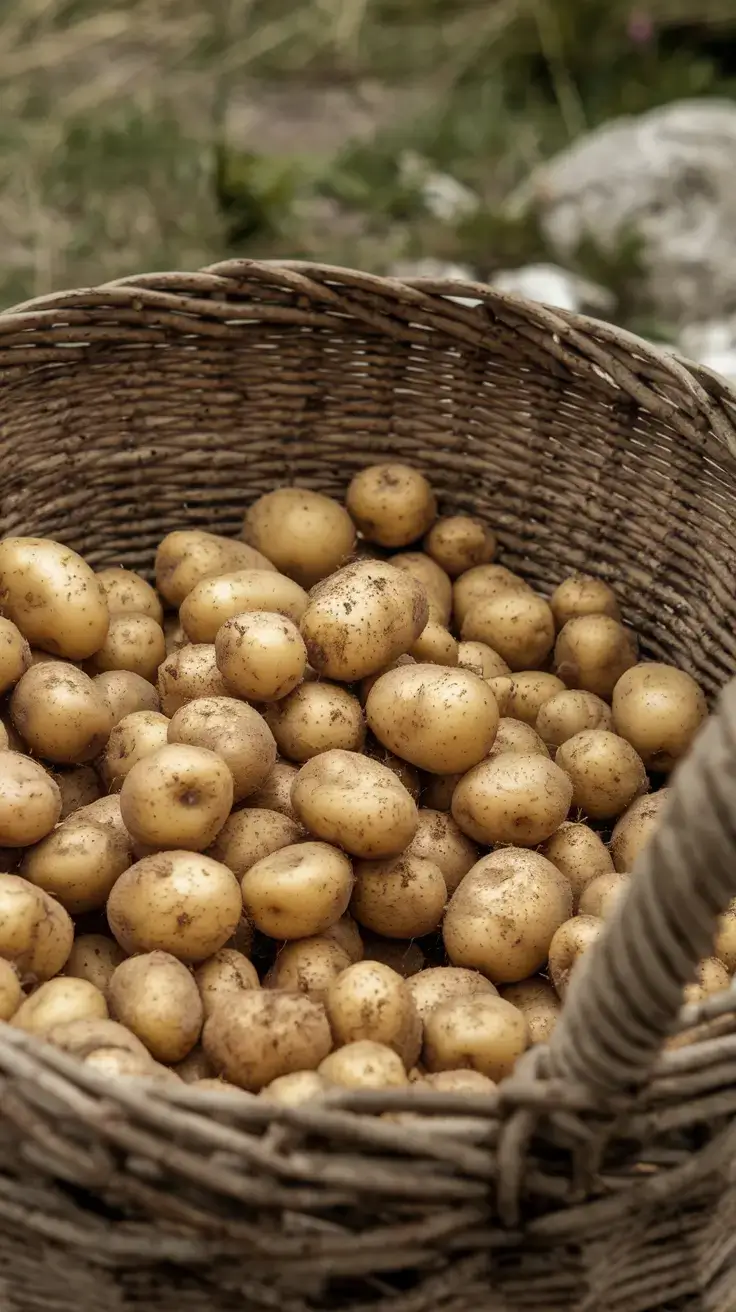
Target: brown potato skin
[(94, 957), (516, 737), (430, 988), (232, 730), (253, 1039), (78, 865), (53, 597), (134, 642), (307, 535), (79, 785), (579, 853), (483, 660), (178, 795), (582, 594), (124, 692), (135, 736), (60, 714), (226, 974), (460, 542), (15, 654), (307, 965), (356, 803), (190, 671), (512, 798), (316, 718), (442, 720), (438, 838), (392, 504), (402, 897), (144, 909), (567, 713), (537, 1000), (371, 1001), (275, 792)]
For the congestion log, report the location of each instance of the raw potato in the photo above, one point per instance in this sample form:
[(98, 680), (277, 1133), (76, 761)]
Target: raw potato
[(502, 918), (30, 800), (187, 556), (78, 786), (531, 689), (11, 993), (363, 617), (502, 688), (295, 1089), (580, 854), (315, 718), (254, 1038), (226, 974), (539, 1004), (145, 908), (275, 792), (346, 934), (482, 659), (179, 795), (481, 583), (512, 798), (434, 580), (567, 713), (53, 597), (659, 710), (725, 945), (215, 600), (482, 1033), (581, 594), (251, 834), (356, 803), (306, 534), (94, 957), (82, 1037), (308, 965), (106, 812), (570, 943), (435, 643), (196, 1066), (517, 624), (233, 731), (404, 957), (135, 736), (403, 897), (261, 654), (469, 1082), (366, 684), (77, 864), (443, 720), (124, 692), (430, 988), (635, 828), (134, 642), (516, 738), (156, 998), (407, 774), (440, 839), (188, 673), (459, 542), (712, 977), (438, 790), (592, 652), (15, 654), (364, 1065), (60, 713), (298, 891), (602, 895), (371, 1001), (129, 592), (112, 1062), (606, 772), (391, 504), (57, 1002)]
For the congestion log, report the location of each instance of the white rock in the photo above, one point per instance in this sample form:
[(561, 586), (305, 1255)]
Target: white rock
[(712, 343), (445, 198), (556, 287)]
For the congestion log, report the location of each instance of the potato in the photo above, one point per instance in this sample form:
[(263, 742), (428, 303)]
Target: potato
[(514, 737), (179, 795), (195, 1066), (580, 854), (82, 1037), (261, 654), (178, 902), (215, 600), (94, 957), (482, 660), (712, 977), (517, 624), (503, 916), (460, 542), (430, 988), (128, 592), (436, 645), (243, 937), (635, 827), (275, 791), (306, 534), (60, 714), (174, 635), (106, 812), (570, 712), (659, 710), (606, 772), (295, 1089), (11, 993), (308, 965), (233, 731), (78, 786), (434, 580), (725, 945), (355, 803), (468, 1082), (601, 896), (370, 1001), (219, 1086), (226, 974), (364, 1065), (315, 718), (531, 689), (134, 643), (254, 1038), (155, 996), (58, 1001), (363, 617), (540, 1006), (391, 504), (53, 597), (134, 737), (298, 891), (366, 684), (439, 839), (404, 957), (581, 594), (443, 720), (77, 864), (186, 557), (118, 1064), (249, 835), (399, 897), (188, 673), (438, 789), (514, 798), (480, 584), (570, 942), (481, 1032), (124, 692), (30, 800), (15, 654), (346, 934), (592, 652), (5, 740), (502, 688), (407, 774)]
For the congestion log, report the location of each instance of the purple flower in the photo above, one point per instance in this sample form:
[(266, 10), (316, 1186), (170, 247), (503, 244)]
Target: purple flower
[(640, 27)]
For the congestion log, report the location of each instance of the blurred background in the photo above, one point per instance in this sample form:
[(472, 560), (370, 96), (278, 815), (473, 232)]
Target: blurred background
[(579, 151)]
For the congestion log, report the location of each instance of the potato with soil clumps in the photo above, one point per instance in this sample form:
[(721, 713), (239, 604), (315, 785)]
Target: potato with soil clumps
[(606, 773), (306, 534), (443, 720), (156, 998), (307, 965), (401, 897), (30, 800), (137, 735), (440, 839), (298, 891), (178, 796), (360, 619), (187, 556), (232, 730), (392, 504), (592, 652), (78, 864), (190, 671), (134, 642), (128, 593), (430, 988), (225, 974), (261, 654), (530, 691), (316, 718), (178, 902), (60, 714), (356, 803), (512, 798), (580, 853), (215, 600), (371, 1001), (53, 597), (254, 1038), (659, 710), (484, 1033)]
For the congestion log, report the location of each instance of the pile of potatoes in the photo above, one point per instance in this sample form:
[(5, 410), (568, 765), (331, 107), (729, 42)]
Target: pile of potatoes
[(340, 803)]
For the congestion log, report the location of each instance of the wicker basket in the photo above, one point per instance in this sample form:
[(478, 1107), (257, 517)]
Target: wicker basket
[(601, 1177)]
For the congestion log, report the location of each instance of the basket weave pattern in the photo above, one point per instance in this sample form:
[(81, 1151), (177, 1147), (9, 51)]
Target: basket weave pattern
[(600, 1175)]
